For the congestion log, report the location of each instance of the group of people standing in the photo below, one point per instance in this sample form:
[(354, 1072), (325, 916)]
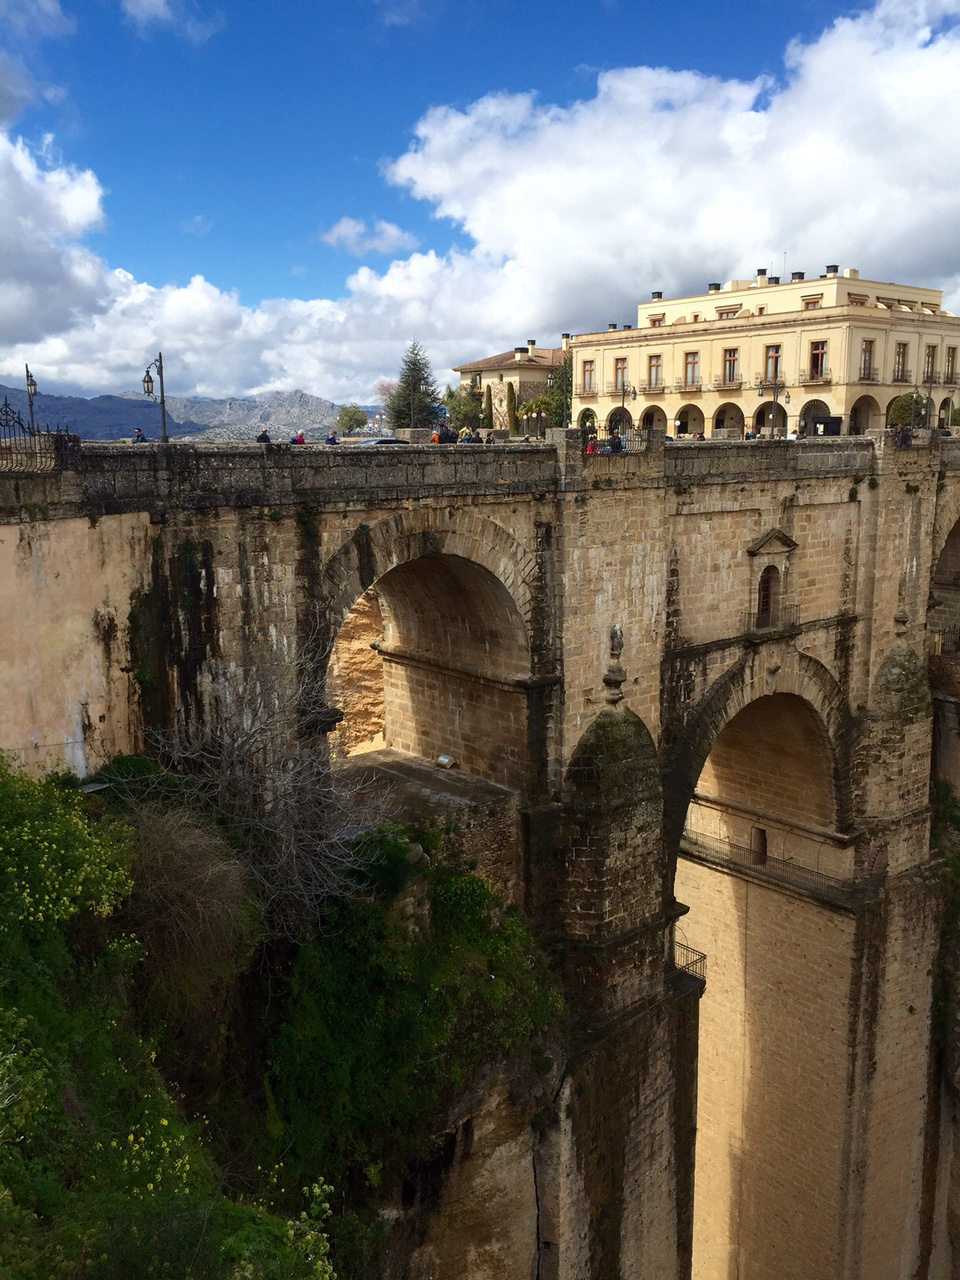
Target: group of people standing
[(445, 434)]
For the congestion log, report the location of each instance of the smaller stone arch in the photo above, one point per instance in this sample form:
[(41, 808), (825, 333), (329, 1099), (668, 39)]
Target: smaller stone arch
[(864, 414), (770, 420), (728, 421), (654, 418), (945, 414), (688, 421), (620, 420), (587, 421)]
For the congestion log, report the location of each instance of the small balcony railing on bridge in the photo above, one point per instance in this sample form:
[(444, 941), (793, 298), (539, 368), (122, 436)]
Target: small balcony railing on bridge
[(686, 960), (23, 448), (781, 617), (632, 440), (698, 844)]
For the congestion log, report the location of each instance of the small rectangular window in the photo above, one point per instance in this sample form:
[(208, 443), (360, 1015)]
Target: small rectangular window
[(691, 368), (900, 371), (950, 372), (731, 365), (930, 364), (589, 376), (818, 359), (656, 322), (772, 363), (811, 304), (727, 313), (866, 358), (620, 373), (655, 370)]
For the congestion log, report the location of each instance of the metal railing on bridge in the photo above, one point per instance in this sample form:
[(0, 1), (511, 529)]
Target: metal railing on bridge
[(23, 448), (698, 844)]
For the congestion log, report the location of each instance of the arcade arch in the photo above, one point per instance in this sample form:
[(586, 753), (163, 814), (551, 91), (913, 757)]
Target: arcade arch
[(587, 421), (654, 417), (864, 414), (688, 421), (770, 420), (728, 419), (620, 421)]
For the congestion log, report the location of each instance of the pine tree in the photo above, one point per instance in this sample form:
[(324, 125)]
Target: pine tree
[(488, 408), (511, 409), (415, 401)]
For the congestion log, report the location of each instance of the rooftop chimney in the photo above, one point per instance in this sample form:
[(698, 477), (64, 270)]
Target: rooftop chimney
[(628, 326), (565, 341), (612, 325), (833, 269), (713, 288), (773, 279), (519, 353), (656, 295), (796, 275), (531, 345)]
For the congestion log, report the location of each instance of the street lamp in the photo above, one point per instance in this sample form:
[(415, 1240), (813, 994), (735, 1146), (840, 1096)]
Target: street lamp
[(31, 392), (148, 391)]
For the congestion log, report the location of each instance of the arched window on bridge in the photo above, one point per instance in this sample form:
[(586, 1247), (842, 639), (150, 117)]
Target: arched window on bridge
[(768, 598)]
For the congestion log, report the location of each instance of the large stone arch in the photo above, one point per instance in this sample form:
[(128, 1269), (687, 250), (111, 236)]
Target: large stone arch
[(767, 669), (947, 517), (372, 551)]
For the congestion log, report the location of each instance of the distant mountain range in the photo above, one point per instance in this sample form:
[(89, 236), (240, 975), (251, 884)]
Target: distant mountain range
[(281, 413)]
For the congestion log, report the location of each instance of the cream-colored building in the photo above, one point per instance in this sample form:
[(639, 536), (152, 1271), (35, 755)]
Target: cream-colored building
[(827, 354), (528, 368)]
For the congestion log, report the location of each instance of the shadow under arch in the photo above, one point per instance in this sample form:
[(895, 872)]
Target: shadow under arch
[(757, 675)]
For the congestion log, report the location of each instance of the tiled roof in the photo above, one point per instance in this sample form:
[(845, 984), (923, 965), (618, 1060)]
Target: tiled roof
[(546, 357)]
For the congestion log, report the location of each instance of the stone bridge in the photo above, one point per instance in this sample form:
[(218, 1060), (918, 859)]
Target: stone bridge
[(692, 684)]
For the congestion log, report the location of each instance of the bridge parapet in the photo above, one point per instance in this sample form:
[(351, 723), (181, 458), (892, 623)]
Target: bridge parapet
[(121, 477), (769, 459)]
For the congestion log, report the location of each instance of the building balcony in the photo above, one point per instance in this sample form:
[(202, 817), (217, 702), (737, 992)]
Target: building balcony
[(950, 378), (931, 378), (902, 375), (810, 377), (582, 389), (727, 384), (619, 388), (692, 388), (868, 374), (763, 383), (654, 388)]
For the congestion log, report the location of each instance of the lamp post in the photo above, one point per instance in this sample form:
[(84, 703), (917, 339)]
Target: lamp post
[(148, 391), (31, 392)]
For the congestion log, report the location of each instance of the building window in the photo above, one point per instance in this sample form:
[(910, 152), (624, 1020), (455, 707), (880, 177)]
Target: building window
[(900, 372), (731, 364), (477, 379), (930, 364), (768, 598), (620, 373), (691, 368), (866, 358), (589, 377), (656, 322), (695, 318), (761, 311), (856, 302), (811, 304), (950, 373), (728, 313), (771, 369), (818, 359), (655, 371)]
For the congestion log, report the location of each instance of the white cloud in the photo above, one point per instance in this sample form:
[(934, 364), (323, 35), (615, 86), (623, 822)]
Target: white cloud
[(34, 17), (352, 235), (198, 225), (178, 14), (660, 180)]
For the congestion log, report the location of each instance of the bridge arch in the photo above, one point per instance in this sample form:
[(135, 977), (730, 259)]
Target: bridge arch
[(430, 616), (770, 669)]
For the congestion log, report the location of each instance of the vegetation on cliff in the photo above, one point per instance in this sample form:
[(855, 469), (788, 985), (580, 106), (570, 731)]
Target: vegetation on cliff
[(178, 1087)]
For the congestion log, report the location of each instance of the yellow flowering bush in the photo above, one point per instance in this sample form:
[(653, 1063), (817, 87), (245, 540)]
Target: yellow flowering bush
[(54, 863)]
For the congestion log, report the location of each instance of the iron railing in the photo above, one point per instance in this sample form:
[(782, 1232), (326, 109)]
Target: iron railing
[(807, 377), (868, 374), (776, 619), (633, 440), (23, 448), (778, 870), (686, 960)]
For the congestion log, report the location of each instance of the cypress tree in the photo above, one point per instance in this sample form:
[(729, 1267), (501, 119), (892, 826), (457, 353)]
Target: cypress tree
[(488, 408), (511, 409)]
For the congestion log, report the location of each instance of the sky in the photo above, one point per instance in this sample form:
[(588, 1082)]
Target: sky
[(282, 196)]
